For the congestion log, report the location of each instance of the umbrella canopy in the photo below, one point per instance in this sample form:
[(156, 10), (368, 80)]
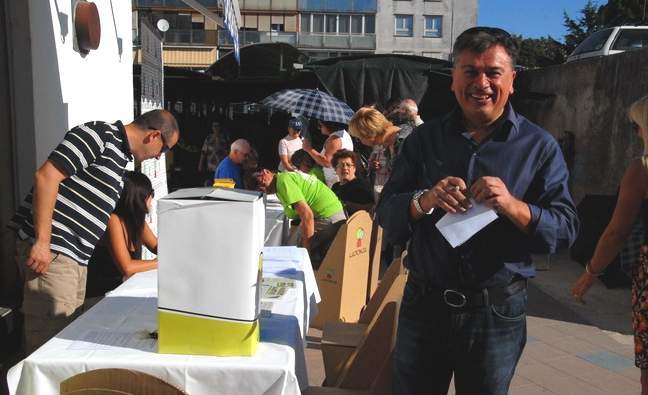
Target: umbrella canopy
[(311, 103)]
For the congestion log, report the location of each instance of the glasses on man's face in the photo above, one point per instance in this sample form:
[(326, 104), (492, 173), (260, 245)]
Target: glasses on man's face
[(635, 127)]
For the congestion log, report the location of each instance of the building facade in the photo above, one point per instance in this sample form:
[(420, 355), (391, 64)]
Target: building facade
[(330, 28), (320, 28), (422, 27), (191, 40)]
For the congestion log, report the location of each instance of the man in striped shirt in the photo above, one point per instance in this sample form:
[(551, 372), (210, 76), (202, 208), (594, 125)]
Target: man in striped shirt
[(66, 213)]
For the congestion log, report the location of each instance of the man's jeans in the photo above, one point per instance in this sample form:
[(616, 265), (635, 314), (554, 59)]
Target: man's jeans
[(480, 345)]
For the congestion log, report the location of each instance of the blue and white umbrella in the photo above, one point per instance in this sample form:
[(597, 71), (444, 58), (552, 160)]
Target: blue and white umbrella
[(311, 103)]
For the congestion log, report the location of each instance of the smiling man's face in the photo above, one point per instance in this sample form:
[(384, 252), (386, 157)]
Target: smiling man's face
[(482, 84)]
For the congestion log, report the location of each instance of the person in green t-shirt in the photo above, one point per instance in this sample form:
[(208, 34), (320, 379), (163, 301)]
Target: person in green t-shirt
[(302, 195)]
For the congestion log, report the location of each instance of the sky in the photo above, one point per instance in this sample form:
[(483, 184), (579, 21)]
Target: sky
[(530, 18)]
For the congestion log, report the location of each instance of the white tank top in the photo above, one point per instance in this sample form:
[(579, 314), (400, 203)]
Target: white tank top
[(347, 143)]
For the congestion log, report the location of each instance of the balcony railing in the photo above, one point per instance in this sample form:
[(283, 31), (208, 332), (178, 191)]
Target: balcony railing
[(186, 37), (171, 3), (302, 40), (253, 37), (345, 41)]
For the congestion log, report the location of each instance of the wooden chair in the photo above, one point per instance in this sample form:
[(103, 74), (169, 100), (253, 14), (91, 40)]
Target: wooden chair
[(368, 369), (340, 339), (117, 381), (374, 264), (343, 274)]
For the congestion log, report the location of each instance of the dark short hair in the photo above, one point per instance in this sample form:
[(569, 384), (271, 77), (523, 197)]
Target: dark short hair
[(161, 120), (342, 154), (300, 156), (251, 180), (479, 39)]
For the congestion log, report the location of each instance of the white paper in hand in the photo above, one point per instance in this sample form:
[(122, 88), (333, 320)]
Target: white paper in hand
[(458, 228)]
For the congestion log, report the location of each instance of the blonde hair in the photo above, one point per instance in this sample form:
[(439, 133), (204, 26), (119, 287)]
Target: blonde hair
[(368, 123), (638, 113)]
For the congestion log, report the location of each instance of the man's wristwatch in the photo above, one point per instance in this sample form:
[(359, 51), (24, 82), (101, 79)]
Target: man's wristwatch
[(417, 204)]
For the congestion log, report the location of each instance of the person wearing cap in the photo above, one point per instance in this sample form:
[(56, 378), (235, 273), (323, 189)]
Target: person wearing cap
[(290, 144), (463, 312)]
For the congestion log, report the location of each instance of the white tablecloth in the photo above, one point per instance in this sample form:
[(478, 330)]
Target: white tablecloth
[(115, 333), (277, 226)]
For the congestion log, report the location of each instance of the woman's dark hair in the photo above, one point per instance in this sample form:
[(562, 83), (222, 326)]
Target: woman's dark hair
[(131, 207), (342, 154)]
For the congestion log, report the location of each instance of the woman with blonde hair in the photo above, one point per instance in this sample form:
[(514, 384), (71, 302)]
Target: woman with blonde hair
[(373, 129), (633, 194)]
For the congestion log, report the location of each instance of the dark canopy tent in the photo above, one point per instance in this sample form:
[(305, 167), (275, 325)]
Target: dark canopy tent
[(370, 79), (199, 98), (259, 61)]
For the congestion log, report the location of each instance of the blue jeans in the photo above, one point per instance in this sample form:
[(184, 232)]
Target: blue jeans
[(480, 345)]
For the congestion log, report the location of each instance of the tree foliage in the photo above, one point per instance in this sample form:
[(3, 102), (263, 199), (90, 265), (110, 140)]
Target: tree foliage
[(578, 30), (540, 52), (623, 12), (545, 51)]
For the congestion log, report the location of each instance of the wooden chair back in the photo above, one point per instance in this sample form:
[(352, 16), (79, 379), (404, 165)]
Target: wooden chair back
[(342, 277), (119, 381)]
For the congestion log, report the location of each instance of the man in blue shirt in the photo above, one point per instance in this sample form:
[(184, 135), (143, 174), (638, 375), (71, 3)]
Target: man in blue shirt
[(463, 310), (230, 167)]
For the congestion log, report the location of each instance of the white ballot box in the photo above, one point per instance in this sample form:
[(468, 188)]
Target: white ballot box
[(209, 271)]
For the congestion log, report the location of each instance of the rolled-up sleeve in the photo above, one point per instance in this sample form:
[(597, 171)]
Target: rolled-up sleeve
[(554, 223)]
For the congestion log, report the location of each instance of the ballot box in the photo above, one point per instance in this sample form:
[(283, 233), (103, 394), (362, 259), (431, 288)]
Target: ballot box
[(209, 271)]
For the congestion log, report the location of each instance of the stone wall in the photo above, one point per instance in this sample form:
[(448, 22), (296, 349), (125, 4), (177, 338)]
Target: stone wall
[(584, 105)]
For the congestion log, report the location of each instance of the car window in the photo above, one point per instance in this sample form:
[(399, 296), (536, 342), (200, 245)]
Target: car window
[(594, 42), (631, 39)]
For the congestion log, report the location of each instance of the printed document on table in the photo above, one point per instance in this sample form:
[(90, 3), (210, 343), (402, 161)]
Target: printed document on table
[(458, 228)]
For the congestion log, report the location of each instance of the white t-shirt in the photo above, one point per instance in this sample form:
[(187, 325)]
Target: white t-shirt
[(288, 146), (347, 143)]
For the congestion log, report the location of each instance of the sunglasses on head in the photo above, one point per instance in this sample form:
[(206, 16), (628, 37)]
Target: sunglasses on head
[(493, 31)]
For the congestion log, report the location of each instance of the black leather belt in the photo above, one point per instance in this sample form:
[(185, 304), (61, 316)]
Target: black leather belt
[(461, 298)]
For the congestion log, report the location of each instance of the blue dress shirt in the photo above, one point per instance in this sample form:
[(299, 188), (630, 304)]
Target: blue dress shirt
[(529, 162)]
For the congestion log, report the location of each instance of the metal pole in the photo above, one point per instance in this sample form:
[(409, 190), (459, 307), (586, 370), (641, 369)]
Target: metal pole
[(452, 28)]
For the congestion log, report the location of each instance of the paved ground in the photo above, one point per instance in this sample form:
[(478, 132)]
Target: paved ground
[(572, 348)]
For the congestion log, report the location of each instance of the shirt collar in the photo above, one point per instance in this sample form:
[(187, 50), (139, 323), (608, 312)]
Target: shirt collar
[(124, 137), (506, 127)]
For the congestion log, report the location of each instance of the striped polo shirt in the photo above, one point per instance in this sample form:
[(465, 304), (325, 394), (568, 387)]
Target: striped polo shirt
[(94, 156)]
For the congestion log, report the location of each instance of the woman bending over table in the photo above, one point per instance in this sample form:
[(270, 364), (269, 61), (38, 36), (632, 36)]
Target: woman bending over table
[(116, 257)]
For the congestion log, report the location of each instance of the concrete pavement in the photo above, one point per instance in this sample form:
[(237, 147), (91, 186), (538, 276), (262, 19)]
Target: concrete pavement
[(572, 348)]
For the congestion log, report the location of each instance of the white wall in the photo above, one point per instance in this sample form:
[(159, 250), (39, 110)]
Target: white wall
[(68, 87)]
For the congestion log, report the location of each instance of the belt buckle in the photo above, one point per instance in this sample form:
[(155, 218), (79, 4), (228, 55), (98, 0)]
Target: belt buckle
[(459, 301)]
